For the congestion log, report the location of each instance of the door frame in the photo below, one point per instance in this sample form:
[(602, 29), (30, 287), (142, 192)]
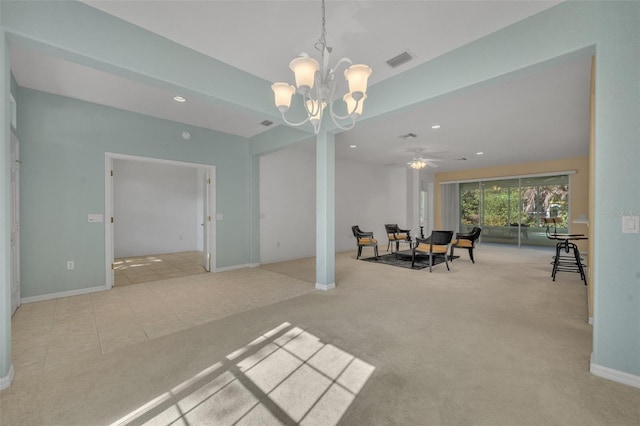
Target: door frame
[(15, 223), (210, 207)]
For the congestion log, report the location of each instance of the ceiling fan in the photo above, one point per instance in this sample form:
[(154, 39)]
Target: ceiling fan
[(420, 162)]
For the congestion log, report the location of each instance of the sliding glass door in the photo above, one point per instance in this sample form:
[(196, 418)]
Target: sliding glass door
[(511, 211)]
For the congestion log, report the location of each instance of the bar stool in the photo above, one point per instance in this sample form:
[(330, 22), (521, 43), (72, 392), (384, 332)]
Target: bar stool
[(567, 258), (568, 262)]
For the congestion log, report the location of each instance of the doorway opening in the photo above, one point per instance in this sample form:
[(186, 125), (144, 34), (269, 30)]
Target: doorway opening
[(158, 219)]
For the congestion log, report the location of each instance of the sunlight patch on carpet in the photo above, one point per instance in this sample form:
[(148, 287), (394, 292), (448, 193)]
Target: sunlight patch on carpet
[(285, 376)]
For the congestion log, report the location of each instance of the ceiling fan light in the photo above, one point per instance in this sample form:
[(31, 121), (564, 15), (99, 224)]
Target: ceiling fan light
[(283, 93), (357, 76), (417, 164), (304, 69)]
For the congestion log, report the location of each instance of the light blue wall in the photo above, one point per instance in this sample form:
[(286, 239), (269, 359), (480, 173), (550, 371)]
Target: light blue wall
[(63, 145)]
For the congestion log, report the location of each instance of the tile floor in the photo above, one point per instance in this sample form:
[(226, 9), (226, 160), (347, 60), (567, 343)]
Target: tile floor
[(155, 267), (106, 321)]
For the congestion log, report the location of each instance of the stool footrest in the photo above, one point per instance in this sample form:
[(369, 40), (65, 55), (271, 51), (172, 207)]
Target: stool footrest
[(567, 259)]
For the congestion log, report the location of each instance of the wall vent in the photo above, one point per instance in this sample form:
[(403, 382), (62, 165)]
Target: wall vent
[(266, 123), (401, 59)]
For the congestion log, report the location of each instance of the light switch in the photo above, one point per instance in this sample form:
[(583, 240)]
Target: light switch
[(95, 218), (631, 224)]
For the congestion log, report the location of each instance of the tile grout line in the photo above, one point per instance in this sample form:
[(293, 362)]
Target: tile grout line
[(95, 323)]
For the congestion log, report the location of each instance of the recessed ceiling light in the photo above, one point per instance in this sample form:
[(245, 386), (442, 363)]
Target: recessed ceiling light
[(353, 146), (479, 153), (180, 99), (436, 126), (186, 135)]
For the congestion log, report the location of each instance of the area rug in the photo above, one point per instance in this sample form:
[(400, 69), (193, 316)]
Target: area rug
[(404, 260)]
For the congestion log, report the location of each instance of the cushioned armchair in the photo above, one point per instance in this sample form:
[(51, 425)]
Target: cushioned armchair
[(364, 239), (397, 236), (466, 240), (438, 244)]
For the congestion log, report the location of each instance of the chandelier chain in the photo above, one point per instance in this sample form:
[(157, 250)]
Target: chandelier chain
[(321, 44), (323, 34)]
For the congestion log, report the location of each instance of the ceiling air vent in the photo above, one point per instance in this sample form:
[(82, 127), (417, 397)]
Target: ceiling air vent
[(460, 159), (402, 58), (266, 123)]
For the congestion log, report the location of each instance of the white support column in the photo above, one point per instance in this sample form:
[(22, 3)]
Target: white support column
[(325, 211), (255, 211)]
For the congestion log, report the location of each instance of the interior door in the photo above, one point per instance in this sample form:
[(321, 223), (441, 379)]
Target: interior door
[(15, 223), (206, 222)]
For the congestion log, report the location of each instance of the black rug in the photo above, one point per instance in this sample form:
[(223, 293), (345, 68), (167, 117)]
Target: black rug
[(404, 260)]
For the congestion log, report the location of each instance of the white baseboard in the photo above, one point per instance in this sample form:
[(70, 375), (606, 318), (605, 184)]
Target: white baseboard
[(61, 294), (615, 375), (5, 381), (325, 286), (254, 265), (231, 268)]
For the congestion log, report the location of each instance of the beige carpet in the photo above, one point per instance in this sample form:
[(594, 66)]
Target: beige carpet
[(495, 343)]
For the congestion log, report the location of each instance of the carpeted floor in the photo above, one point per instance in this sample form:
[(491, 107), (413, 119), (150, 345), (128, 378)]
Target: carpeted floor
[(491, 343)]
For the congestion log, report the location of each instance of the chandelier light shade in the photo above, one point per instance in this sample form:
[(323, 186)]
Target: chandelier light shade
[(353, 105), (317, 86), (283, 92), (304, 70), (315, 109), (357, 76)]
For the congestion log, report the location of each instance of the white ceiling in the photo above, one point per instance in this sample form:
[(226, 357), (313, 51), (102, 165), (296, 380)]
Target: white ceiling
[(538, 116)]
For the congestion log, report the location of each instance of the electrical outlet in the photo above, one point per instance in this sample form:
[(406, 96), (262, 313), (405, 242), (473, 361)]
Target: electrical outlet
[(70, 264)]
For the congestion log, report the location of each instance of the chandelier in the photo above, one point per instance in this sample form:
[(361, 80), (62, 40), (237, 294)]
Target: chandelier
[(317, 86)]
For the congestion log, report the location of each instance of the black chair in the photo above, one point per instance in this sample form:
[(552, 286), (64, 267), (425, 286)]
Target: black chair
[(438, 244), (397, 236), (364, 239), (466, 240)]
